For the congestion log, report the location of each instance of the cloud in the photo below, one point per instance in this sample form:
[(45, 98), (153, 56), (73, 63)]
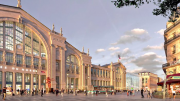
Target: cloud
[(113, 48), (100, 50), (137, 70), (134, 35), (161, 31), (148, 48), (125, 52), (150, 62)]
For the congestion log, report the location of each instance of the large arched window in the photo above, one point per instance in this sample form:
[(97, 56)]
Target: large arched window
[(14, 35), (72, 64)]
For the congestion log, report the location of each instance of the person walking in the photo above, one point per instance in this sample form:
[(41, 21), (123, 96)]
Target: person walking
[(57, 91), (32, 92), (142, 91), (174, 93), (4, 93), (0, 91), (151, 93), (62, 92), (106, 92), (42, 92)]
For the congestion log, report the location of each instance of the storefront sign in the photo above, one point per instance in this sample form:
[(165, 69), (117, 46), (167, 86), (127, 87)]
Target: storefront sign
[(175, 77), (159, 88)]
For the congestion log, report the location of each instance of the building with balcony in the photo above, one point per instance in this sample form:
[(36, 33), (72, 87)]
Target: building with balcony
[(172, 51), (30, 52), (149, 80), (133, 81)]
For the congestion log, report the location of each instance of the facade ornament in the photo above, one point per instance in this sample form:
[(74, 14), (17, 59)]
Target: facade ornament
[(20, 19), (61, 32), (118, 61), (111, 63), (53, 28), (83, 49), (19, 4), (88, 52)]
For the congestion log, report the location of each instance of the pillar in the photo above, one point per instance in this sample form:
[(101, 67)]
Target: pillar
[(39, 82), (89, 79), (3, 79), (83, 76), (53, 65), (63, 72), (32, 87), (14, 82), (23, 81)]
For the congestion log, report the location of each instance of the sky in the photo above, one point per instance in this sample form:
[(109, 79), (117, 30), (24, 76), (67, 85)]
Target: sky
[(134, 33)]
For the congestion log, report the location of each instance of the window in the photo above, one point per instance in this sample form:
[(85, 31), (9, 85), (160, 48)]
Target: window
[(0, 77), (19, 33), (174, 49), (1, 34), (43, 53), (43, 79), (57, 82), (28, 61), (27, 78), (71, 59), (9, 57), (57, 66), (9, 35), (18, 77), (86, 70), (8, 76), (1, 56), (91, 71), (36, 63), (146, 80), (98, 72), (28, 43), (19, 59), (94, 72), (35, 78), (43, 64), (35, 45)]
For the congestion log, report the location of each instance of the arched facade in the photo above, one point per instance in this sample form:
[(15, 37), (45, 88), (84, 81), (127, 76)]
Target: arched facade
[(30, 52)]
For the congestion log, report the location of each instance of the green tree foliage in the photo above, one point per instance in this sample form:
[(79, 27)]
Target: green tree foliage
[(166, 7)]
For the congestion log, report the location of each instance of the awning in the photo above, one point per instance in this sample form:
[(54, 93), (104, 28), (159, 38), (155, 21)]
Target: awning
[(169, 81), (178, 74)]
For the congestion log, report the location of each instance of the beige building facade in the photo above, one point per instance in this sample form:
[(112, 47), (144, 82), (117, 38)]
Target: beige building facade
[(30, 52), (172, 51), (149, 80)]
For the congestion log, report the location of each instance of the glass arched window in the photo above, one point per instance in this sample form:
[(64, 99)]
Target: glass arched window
[(72, 65)]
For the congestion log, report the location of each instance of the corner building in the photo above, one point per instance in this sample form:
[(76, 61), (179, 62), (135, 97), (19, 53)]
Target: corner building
[(30, 52)]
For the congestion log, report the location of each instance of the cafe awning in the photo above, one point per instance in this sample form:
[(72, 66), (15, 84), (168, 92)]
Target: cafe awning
[(174, 78)]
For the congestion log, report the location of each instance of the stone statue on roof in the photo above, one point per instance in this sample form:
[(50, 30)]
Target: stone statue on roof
[(53, 28), (19, 3)]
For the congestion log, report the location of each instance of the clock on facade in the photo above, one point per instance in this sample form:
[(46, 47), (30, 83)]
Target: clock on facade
[(19, 46)]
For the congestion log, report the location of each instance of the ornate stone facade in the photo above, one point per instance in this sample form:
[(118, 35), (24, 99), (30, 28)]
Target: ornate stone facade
[(30, 52)]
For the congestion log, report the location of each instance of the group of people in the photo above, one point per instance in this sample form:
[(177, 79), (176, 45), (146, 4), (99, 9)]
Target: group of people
[(59, 91), (149, 95), (172, 93), (3, 92)]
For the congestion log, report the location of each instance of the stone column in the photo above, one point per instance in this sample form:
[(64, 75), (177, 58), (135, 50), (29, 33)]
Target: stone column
[(53, 66), (39, 82), (89, 75), (83, 76), (32, 86), (114, 79), (3, 79), (63, 72), (23, 81), (14, 82)]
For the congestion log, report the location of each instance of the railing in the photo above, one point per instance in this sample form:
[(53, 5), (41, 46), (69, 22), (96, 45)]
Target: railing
[(169, 40), (171, 64)]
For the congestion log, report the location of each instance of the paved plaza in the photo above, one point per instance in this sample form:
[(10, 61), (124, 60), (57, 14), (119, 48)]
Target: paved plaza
[(81, 97)]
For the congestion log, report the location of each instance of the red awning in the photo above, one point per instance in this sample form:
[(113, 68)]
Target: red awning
[(178, 74), (169, 81)]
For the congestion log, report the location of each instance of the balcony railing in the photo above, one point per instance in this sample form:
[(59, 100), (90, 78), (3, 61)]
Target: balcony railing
[(171, 64), (174, 37)]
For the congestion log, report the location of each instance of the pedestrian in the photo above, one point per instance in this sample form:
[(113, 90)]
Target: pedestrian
[(150, 93), (127, 93), (133, 92), (68, 91), (57, 91), (62, 91), (4, 93), (96, 92), (0, 91), (18, 91), (11, 92), (142, 91), (106, 92), (42, 92), (32, 92), (174, 93)]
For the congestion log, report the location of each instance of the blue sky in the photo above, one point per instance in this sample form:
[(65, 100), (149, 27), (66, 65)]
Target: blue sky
[(106, 30)]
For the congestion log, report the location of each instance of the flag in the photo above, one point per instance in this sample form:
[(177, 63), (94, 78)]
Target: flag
[(119, 57)]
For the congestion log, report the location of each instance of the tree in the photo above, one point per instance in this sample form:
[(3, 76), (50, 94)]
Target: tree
[(166, 7)]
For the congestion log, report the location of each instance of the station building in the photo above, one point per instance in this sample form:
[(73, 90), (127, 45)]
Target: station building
[(30, 52)]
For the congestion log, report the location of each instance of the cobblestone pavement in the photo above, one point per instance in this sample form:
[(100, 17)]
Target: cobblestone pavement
[(81, 97)]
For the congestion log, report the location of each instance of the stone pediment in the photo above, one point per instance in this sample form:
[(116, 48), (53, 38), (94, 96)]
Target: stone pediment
[(58, 40)]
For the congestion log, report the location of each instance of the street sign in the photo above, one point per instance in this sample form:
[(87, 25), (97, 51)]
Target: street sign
[(175, 77)]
